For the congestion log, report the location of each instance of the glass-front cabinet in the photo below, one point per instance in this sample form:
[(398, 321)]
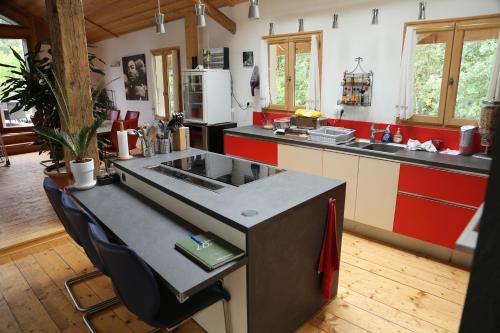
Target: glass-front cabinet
[(193, 96)]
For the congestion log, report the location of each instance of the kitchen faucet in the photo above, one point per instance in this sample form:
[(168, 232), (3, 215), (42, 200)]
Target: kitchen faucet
[(373, 131)]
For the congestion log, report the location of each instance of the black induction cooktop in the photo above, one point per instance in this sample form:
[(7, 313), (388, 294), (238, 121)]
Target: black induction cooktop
[(220, 168)]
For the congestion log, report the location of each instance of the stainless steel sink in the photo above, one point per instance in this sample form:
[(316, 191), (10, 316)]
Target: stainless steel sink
[(382, 147), (358, 144)]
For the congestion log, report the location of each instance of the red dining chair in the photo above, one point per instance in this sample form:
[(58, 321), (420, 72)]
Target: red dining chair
[(132, 139), (132, 115), (113, 115)]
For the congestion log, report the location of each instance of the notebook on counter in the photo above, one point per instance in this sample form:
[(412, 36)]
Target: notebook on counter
[(208, 251)]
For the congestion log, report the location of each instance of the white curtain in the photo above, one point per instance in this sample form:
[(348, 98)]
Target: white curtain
[(494, 87), (265, 98), (405, 107), (314, 86)]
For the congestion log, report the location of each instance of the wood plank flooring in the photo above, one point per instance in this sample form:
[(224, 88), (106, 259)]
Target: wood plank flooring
[(25, 213), (382, 289)]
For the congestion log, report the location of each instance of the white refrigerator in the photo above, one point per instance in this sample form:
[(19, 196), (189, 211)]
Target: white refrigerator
[(207, 96)]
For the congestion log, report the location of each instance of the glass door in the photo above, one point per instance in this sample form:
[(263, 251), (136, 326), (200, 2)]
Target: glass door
[(193, 97)]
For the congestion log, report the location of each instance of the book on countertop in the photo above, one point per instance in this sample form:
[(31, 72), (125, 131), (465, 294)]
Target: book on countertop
[(208, 251)]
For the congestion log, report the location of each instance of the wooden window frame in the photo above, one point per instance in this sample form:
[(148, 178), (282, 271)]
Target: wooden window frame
[(452, 63), (290, 40), (164, 52)]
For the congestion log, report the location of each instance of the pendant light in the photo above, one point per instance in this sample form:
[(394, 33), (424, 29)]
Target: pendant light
[(375, 16), (159, 19), (199, 9), (335, 24), (421, 14), (301, 25), (253, 10)]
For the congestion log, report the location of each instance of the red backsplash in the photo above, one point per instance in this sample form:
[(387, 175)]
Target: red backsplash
[(450, 137)]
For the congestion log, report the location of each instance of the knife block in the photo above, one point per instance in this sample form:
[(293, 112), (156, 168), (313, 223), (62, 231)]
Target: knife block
[(180, 139)]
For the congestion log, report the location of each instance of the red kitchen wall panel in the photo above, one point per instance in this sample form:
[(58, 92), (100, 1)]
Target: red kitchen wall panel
[(430, 221), (449, 136), (439, 184), (252, 149)]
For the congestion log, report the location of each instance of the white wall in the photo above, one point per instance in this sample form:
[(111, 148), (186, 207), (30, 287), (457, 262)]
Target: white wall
[(112, 50), (379, 45)]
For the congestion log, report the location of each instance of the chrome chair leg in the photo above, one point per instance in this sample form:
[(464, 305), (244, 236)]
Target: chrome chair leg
[(78, 279), (87, 317)]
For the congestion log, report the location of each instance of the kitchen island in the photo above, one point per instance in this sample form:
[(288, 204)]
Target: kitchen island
[(277, 217)]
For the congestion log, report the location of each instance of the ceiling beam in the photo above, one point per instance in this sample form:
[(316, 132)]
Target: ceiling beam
[(219, 17)]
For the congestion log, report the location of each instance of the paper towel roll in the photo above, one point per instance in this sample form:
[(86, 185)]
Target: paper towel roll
[(122, 144)]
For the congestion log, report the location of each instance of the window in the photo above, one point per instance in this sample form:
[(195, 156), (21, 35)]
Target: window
[(453, 65), (166, 70), (289, 64), (21, 118)]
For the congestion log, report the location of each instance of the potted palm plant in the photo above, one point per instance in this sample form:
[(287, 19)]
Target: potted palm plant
[(28, 89), (76, 142)]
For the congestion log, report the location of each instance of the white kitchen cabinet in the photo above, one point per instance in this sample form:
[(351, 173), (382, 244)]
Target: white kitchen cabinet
[(377, 192), (300, 159), (343, 167)]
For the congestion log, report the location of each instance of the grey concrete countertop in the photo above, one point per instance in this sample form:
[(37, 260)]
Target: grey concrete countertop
[(468, 239), (269, 196), (459, 163), (151, 231)]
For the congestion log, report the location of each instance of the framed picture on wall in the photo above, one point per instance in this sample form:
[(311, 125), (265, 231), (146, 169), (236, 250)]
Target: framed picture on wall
[(135, 77), (248, 59)]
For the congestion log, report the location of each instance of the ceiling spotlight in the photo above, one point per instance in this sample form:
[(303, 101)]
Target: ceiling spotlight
[(375, 16), (421, 14), (160, 19), (253, 10), (335, 23), (200, 15)]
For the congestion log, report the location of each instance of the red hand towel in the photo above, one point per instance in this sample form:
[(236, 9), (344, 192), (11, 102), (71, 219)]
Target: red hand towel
[(329, 259)]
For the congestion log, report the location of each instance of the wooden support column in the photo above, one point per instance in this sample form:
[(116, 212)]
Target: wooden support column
[(192, 39), (69, 51)]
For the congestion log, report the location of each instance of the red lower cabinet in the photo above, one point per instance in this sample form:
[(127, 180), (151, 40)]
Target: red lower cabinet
[(251, 149), (429, 220)]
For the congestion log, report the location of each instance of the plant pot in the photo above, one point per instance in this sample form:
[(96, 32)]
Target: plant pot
[(61, 177), (83, 173)]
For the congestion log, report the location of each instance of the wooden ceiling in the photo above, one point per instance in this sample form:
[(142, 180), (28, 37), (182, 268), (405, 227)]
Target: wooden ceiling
[(112, 18)]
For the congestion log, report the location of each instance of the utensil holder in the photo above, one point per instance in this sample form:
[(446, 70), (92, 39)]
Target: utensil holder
[(164, 146), (148, 148)]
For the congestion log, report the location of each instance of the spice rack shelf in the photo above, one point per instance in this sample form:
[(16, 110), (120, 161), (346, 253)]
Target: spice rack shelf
[(357, 87)]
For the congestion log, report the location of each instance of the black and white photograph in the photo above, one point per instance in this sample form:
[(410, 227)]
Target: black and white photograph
[(135, 77), (248, 59)]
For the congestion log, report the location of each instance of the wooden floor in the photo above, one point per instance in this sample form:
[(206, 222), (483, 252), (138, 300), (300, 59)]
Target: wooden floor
[(382, 289), (25, 213)]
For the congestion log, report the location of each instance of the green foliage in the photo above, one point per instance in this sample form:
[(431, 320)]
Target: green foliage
[(26, 83), (302, 66), (76, 142), (477, 62), (8, 57), (475, 71), (429, 63)]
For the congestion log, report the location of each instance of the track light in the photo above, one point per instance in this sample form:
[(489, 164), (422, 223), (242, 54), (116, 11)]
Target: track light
[(335, 23), (375, 16), (199, 9), (253, 10), (301, 25), (421, 14), (159, 19)]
